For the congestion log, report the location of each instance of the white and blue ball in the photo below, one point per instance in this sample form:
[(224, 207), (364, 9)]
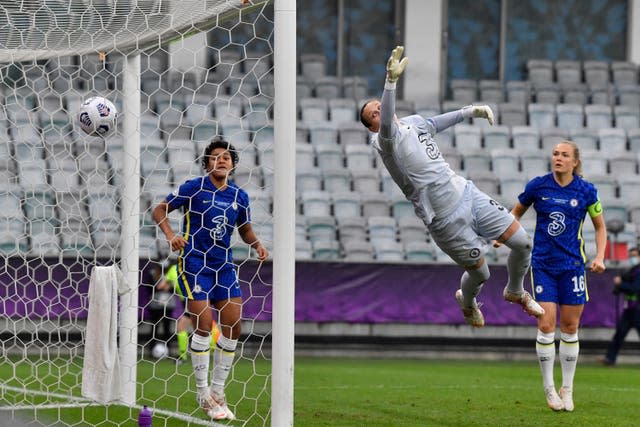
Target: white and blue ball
[(97, 117)]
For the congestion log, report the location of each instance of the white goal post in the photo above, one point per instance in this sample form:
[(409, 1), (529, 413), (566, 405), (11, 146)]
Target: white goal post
[(180, 72)]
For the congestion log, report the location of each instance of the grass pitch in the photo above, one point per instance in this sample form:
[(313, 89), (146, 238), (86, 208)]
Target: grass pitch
[(347, 392)]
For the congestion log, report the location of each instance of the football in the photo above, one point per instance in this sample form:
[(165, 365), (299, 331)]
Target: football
[(97, 117)]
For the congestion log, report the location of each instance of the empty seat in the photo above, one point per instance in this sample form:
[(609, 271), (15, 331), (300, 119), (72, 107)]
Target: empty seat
[(381, 228), (327, 87), (346, 204), (601, 93), (342, 110), (389, 187), (357, 250), (305, 156), (596, 71), (352, 228), (374, 204), (525, 138), (511, 187), (308, 179), (358, 157), (491, 91), (323, 133), (355, 87), (627, 117), (542, 115), (605, 184), (485, 180), (540, 70), (303, 250), (352, 133), (612, 141), (304, 87), (452, 156), (404, 107), (336, 179), (496, 137), (313, 65), (315, 203), (575, 93), (314, 110), (467, 137), (534, 163), (321, 228), (389, 251), (628, 94), (505, 162), (401, 207), (568, 71), (328, 250), (629, 187), (329, 156), (624, 72), (512, 114), (464, 91), (598, 116), (547, 92), (478, 159), (622, 165), (365, 181), (419, 251), (570, 116), (550, 137), (633, 135), (518, 92), (585, 138), (593, 162)]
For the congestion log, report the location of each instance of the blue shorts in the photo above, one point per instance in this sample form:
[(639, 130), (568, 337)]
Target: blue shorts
[(208, 284), (568, 287)]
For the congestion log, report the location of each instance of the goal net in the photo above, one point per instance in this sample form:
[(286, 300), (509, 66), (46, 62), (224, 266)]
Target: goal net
[(206, 69)]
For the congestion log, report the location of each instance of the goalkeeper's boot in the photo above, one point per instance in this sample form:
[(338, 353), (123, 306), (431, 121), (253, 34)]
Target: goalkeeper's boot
[(222, 403), (211, 407), (525, 300), (566, 394), (472, 314), (553, 400)]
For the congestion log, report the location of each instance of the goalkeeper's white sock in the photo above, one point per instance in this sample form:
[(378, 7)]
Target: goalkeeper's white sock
[(568, 352), (546, 351), (518, 260), (200, 360), (222, 361), (471, 282)]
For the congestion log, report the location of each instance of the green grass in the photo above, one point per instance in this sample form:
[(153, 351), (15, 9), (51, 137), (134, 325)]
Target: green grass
[(355, 392)]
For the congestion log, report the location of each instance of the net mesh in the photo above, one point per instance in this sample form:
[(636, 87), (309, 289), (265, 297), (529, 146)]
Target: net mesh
[(206, 70)]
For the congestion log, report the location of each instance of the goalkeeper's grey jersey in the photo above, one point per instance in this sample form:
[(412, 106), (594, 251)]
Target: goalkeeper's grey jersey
[(416, 165)]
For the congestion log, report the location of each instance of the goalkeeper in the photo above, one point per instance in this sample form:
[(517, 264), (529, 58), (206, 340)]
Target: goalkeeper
[(460, 218)]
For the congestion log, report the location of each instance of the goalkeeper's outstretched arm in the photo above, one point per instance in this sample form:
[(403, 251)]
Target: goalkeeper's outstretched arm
[(395, 67)]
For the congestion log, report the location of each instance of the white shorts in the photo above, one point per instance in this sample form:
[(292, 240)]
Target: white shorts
[(465, 234)]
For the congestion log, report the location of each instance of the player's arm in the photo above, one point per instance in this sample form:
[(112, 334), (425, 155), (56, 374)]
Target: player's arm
[(395, 68), (160, 215), (446, 120), (595, 212), (249, 237), (518, 210)]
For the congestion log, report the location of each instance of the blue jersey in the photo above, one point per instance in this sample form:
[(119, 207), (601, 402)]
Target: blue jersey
[(560, 211), (210, 218)]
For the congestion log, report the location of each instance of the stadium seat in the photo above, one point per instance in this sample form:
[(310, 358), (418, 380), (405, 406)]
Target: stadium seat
[(624, 72), (570, 116), (308, 179), (626, 116), (375, 204), (598, 116), (313, 110), (401, 207), (388, 251), (336, 180), (313, 65), (304, 88), (622, 165), (323, 133), (321, 228), (327, 250), (585, 138), (467, 137), (389, 187), (405, 107), (303, 250), (593, 162), (328, 87), (352, 133), (365, 181), (511, 187), (352, 228), (427, 109), (342, 110), (329, 156), (491, 91), (629, 188), (534, 163), (38, 204), (381, 228), (542, 115), (315, 203), (628, 94), (464, 91), (601, 93), (346, 204), (575, 93), (547, 92), (411, 228), (633, 135), (355, 87), (550, 137), (596, 72), (359, 157), (540, 70), (305, 156), (612, 141), (452, 156), (444, 138), (357, 250), (485, 180), (512, 114), (476, 160), (496, 137), (518, 92), (568, 71), (419, 251), (505, 162)]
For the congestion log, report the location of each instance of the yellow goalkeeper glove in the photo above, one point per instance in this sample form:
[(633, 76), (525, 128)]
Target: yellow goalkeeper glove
[(396, 64), (478, 111)]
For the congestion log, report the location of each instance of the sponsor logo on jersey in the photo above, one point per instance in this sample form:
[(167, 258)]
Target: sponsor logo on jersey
[(474, 253), (573, 203)]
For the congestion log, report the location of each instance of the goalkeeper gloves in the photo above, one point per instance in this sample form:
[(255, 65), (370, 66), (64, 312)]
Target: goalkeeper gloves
[(396, 64), (478, 111)]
